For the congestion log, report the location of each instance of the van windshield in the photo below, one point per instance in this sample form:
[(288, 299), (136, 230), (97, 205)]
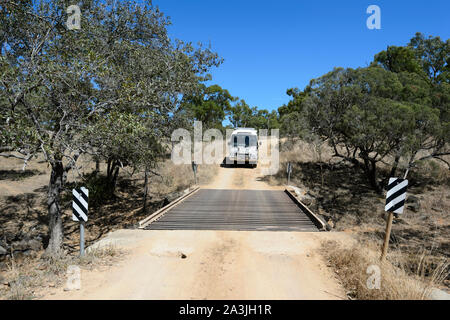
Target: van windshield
[(244, 140)]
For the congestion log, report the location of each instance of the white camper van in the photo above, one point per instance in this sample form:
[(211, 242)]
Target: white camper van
[(243, 146)]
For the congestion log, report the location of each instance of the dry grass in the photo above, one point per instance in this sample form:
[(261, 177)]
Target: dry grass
[(24, 279), (351, 266), (420, 240), (24, 210), (24, 216), (301, 151), (176, 178)]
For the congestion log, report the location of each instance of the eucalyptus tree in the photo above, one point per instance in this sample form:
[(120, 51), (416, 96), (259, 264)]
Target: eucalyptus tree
[(367, 114), (60, 87), (433, 55), (46, 81), (422, 68), (399, 106), (290, 114), (240, 114), (209, 105), (398, 59), (146, 79)]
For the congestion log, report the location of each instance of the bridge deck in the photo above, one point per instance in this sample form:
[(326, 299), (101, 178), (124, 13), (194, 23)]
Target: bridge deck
[(259, 210)]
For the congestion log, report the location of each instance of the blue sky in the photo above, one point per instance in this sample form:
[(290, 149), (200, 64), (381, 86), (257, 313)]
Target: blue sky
[(270, 46)]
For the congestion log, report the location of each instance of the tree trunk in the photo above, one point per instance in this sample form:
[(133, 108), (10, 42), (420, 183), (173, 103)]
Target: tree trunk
[(370, 167), (114, 180), (112, 173), (109, 169), (395, 166), (57, 180), (97, 165)]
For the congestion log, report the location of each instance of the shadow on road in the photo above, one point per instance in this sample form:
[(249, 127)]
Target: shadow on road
[(234, 164)]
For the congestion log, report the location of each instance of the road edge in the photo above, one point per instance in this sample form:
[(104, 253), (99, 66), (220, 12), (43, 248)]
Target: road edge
[(321, 225)]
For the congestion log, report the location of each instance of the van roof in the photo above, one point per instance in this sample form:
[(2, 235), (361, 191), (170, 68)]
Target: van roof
[(242, 130)]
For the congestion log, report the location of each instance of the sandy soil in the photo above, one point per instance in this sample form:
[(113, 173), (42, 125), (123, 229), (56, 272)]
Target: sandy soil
[(240, 178), (218, 264)]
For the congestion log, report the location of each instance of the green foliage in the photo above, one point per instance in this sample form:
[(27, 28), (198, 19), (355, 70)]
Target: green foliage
[(295, 105), (99, 188), (397, 107), (110, 89), (291, 118), (242, 115), (209, 105), (434, 56), (369, 113), (57, 82), (398, 59)]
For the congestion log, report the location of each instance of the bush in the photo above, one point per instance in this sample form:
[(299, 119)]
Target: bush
[(100, 189)]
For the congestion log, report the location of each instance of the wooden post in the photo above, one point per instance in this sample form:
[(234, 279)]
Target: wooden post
[(387, 235), (81, 238)]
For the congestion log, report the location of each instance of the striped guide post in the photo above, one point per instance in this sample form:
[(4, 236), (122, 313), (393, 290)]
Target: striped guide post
[(395, 202), (80, 211), (396, 195)]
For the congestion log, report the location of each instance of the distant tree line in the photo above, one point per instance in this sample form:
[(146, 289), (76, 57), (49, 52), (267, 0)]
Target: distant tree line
[(214, 106)]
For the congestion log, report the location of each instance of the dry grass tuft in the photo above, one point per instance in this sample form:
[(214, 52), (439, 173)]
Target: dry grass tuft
[(25, 278), (351, 266)]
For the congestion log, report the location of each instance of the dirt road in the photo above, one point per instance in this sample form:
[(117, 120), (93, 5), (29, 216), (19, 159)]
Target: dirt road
[(241, 178), (217, 264)]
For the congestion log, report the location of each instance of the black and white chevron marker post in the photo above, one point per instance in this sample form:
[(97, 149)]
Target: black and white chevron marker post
[(395, 202), (80, 202), (396, 195)]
